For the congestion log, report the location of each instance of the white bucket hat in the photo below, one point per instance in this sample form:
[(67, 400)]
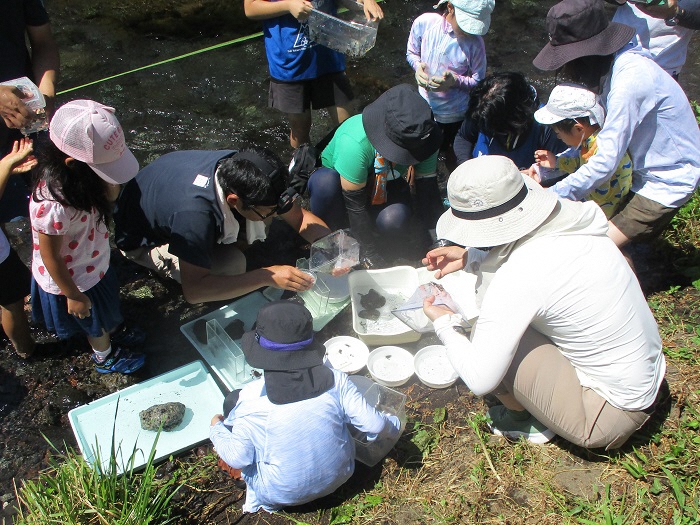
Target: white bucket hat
[(473, 16), (571, 101), (492, 203)]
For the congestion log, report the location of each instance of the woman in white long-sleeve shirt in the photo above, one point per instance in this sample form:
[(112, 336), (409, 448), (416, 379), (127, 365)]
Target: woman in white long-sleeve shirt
[(647, 114), (565, 338)]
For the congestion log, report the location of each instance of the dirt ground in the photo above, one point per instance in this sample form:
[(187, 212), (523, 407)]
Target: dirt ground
[(37, 394)]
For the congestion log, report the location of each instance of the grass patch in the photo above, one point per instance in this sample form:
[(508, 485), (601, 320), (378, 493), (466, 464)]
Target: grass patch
[(73, 492)]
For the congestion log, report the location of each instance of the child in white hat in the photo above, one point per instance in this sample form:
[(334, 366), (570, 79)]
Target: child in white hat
[(576, 116)]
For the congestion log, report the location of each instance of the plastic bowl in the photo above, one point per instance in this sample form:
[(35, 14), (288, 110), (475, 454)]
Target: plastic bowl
[(433, 367), (390, 365), (347, 354)]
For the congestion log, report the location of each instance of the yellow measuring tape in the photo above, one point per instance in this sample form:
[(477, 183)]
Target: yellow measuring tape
[(173, 59)]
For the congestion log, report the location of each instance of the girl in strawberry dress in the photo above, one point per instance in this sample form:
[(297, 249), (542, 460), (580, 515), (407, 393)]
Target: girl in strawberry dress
[(74, 290)]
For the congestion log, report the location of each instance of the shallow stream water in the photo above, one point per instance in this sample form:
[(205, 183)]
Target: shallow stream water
[(218, 99), (213, 100)]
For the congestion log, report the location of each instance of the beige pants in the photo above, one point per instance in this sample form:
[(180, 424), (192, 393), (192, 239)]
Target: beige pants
[(227, 259), (546, 384)]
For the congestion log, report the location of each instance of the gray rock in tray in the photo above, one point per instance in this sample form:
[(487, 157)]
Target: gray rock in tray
[(168, 414)]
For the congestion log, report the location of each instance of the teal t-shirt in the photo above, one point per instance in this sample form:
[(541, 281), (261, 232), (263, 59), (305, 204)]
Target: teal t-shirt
[(351, 154)]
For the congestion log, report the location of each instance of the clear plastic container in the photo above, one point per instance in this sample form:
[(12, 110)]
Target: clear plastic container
[(385, 400), (225, 348), (316, 299), (349, 33), (34, 100), (334, 254)]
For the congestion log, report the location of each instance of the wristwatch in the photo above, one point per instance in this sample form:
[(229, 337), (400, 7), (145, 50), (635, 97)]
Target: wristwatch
[(673, 21)]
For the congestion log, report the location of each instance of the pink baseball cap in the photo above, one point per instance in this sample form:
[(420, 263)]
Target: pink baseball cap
[(89, 132)]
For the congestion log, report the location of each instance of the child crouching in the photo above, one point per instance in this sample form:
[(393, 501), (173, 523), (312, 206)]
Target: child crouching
[(287, 433), (576, 117)]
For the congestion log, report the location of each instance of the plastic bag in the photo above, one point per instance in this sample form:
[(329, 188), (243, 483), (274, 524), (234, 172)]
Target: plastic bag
[(411, 312)]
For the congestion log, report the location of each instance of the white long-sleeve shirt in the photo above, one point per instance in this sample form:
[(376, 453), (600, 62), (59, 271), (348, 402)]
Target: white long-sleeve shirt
[(668, 45), (294, 453), (648, 114), (433, 41), (578, 291)]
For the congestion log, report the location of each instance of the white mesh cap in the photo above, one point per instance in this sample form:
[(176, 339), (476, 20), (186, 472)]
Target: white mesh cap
[(89, 132), (571, 101)]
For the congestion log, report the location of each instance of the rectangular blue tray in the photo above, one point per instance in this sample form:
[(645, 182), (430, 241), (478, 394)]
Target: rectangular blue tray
[(223, 363), (191, 385), (246, 309)]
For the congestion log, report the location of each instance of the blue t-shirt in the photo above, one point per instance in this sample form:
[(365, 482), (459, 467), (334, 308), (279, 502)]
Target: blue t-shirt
[(291, 55), (173, 201), (522, 153)]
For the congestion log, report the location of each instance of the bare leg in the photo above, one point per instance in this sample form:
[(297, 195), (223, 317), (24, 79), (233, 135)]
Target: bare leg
[(100, 343), (16, 326), (300, 128), (340, 113), (619, 238)]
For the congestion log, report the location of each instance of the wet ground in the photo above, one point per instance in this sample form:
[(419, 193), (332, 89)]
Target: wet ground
[(217, 100)]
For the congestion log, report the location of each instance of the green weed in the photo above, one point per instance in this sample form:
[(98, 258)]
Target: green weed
[(426, 437), (355, 509), (72, 492)]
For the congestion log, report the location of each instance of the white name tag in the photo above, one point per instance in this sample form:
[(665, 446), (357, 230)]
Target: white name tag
[(201, 180)]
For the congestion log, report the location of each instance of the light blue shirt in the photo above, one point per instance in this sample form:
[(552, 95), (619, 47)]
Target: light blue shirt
[(294, 453), (433, 41), (648, 114), (668, 45)]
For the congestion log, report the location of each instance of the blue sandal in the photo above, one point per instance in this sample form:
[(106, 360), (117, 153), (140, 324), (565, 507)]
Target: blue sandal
[(119, 360)]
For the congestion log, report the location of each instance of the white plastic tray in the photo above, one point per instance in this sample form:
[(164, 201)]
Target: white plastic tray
[(397, 284), (116, 417)]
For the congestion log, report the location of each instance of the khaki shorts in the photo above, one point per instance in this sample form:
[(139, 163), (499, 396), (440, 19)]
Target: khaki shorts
[(324, 92), (640, 218), (227, 259), (546, 384)]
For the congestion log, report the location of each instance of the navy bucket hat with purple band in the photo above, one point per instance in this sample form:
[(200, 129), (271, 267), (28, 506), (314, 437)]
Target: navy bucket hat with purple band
[(283, 339)]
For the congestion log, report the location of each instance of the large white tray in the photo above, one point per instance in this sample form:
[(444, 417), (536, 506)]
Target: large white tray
[(116, 417)]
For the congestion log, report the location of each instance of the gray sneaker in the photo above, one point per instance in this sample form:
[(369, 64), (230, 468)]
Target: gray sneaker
[(503, 424)]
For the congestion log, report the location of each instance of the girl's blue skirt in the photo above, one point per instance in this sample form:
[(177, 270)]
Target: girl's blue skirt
[(52, 310)]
